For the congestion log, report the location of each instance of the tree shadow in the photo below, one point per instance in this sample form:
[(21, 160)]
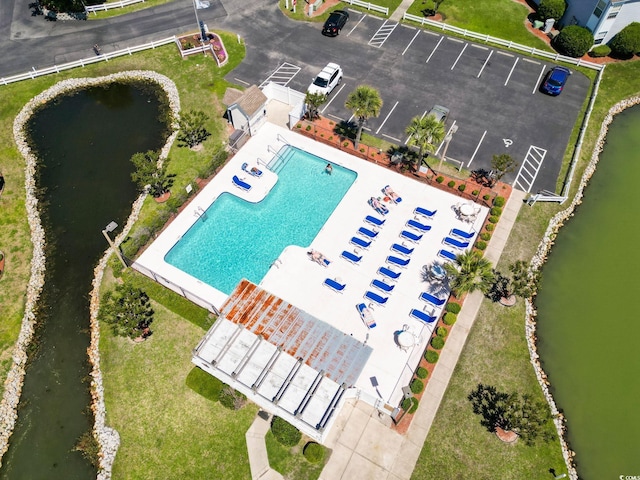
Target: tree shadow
[(346, 130), (489, 404)]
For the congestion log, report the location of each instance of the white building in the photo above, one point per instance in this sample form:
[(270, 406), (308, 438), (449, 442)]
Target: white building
[(604, 18)]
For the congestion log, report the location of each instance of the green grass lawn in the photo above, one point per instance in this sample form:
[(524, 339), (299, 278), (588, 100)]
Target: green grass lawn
[(115, 12), (166, 429), (290, 462), (503, 19)]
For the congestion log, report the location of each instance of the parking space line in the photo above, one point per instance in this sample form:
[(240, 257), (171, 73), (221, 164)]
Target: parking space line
[(459, 55), (485, 63), (481, 47), (437, 152), (535, 87), (533, 158), (530, 61), (453, 39), (397, 140), (511, 72), (356, 25), (333, 97), (414, 37), (282, 75), (340, 119), (241, 81), (386, 118), (434, 49), (429, 32), (382, 34), (477, 148), (504, 53)]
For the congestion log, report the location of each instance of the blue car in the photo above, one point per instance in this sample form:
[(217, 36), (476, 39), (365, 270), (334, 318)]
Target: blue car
[(555, 80)]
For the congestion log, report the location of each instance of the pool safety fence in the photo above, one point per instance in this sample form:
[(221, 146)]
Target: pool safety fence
[(176, 288)]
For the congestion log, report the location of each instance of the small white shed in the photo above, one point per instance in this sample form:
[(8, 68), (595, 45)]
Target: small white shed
[(246, 110)]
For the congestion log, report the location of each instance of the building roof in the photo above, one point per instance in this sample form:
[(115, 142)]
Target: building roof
[(251, 101)]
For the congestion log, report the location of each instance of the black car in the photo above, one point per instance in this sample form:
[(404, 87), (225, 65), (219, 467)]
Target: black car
[(335, 22)]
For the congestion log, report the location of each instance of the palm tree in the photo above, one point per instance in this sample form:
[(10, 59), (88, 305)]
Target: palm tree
[(425, 133), (364, 102), (470, 272), (313, 101)]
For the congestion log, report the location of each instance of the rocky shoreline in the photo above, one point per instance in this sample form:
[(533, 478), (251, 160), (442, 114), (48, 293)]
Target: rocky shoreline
[(107, 437), (538, 261)]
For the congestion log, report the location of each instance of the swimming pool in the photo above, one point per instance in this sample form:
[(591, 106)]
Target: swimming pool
[(237, 239)]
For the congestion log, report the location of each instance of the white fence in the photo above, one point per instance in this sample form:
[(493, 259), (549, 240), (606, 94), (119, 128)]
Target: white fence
[(108, 6), (556, 57), (83, 62), (368, 6)]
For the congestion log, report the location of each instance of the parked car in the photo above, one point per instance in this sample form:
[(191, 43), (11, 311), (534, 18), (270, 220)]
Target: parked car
[(327, 79), (335, 22), (439, 112), (555, 80)]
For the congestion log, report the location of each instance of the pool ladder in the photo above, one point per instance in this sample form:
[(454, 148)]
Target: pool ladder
[(200, 213)]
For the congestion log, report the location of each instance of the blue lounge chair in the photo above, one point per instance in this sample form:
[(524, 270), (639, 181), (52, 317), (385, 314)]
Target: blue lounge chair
[(410, 236), (352, 257), (367, 233), (447, 254), (400, 262), (424, 212), (241, 184), (396, 247), (365, 315), (433, 300), (376, 222), (374, 297), (378, 206), (455, 243), (360, 242), (334, 285), (385, 287), (388, 273), (388, 191), (255, 171), (462, 234), (418, 226), (420, 315)]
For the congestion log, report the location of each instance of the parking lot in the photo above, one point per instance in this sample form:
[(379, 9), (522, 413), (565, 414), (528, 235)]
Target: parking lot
[(492, 94)]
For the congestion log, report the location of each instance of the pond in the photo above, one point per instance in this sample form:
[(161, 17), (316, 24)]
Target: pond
[(588, 328), (84, 142)]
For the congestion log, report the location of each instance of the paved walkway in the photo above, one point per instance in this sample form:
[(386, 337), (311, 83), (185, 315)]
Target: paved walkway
[(363, 444)]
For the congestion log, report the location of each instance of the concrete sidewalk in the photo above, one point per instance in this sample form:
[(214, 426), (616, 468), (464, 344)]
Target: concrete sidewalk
[(363, 443)]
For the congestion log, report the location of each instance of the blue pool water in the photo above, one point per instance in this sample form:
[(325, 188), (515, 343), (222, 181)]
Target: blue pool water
[(237, 239)]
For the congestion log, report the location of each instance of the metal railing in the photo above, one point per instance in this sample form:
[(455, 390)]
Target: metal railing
[(556, 57), (32, 74)]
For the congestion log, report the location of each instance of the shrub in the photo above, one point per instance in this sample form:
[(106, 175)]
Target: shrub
[(422, 372), (485, 236), (416, 385), (600, 51), (410, 405), (437, 342), (431, 356), (490, 227), (496, 211), (573, 41), (499, 202), (284, 432), (442, 332), (462, 187), (345, 144), (204, 384), (451, 184), (551, 9), (322, 135), (475, 193), (440, 179), (313, 452), (486, 196), (232, 399), (481, 245), (627, 41), (362, 150), (453, 307), (449, 318), (308, 129), (493, 219), (331, 138), (299, 125)]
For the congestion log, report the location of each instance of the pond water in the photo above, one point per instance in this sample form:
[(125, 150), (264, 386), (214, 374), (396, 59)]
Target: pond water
[(588, 325), (84, 141)]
